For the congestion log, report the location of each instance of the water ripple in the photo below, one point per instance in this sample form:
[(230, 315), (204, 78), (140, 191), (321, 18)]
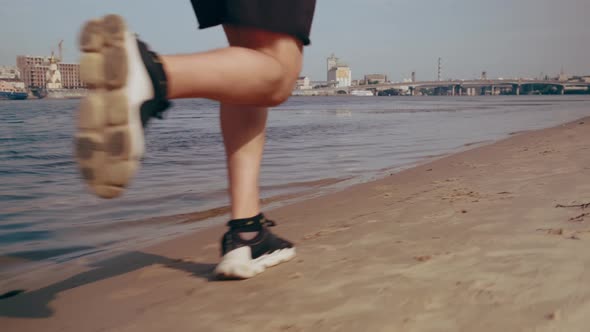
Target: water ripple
[(44, 205)]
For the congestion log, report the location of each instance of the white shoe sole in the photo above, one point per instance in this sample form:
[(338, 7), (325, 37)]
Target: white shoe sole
[(109, 140), (238, 264)]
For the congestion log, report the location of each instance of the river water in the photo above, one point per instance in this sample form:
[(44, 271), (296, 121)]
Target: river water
[(315, 144)]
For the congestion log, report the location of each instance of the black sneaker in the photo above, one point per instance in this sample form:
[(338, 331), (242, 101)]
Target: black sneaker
[(127, 86), (243, 259)]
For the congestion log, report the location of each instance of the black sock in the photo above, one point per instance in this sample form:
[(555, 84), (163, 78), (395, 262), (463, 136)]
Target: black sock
[(252, 224)]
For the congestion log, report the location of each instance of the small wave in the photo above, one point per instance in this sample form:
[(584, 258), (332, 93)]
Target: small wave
[(10, 227), (39, 255), (19, 156), (306, 184), (67, 163), (12, 197), (17, 237)]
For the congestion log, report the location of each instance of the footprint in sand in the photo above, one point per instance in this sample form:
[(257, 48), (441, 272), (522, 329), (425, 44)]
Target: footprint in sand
[(445, 182), (462, 194), (439, 216), (546, 152), (482, 291), (505, 195)]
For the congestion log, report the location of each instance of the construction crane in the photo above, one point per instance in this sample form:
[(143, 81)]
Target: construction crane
[(60, 48), (60, 54)]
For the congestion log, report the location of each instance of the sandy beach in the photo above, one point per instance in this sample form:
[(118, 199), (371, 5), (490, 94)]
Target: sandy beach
[(490, 239)]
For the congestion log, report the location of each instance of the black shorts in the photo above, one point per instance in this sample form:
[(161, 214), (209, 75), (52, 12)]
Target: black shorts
[(292, 17)]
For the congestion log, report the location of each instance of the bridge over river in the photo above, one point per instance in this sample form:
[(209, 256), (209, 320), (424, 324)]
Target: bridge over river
[(464, 87)]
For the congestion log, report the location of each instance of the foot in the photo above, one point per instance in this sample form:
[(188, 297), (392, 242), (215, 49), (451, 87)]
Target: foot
[(127, 87), (243, 259)]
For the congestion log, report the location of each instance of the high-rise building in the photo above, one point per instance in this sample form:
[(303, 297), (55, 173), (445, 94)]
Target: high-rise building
[(332, 61), (341, 75), (338, 72), (34, 70), (70, 75)]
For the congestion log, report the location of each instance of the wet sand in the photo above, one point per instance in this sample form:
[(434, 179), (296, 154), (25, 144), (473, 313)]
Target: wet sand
[(491, 239)]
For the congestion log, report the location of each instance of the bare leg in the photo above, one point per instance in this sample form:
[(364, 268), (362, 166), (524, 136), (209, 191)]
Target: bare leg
[(258, 69), (243, 127), (243, 131), (264, 55)]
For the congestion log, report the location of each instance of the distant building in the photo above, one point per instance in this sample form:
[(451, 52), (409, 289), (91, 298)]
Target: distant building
[(303, 83), (53, 78), (31, 69), (341, 75), (331, 62), (12, 85), (70, 74), (9, 73), (34, 71), (375, 79), (10, 79)]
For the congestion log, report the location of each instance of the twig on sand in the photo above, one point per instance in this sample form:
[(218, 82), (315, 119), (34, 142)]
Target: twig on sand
[(582, 206), (579, 218)]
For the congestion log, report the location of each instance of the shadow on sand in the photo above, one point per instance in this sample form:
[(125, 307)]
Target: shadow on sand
[(35, 304)]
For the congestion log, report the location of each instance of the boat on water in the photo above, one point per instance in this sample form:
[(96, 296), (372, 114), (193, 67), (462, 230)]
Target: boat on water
[(9, 91), (13, 95)]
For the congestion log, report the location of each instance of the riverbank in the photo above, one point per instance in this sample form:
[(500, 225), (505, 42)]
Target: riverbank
[(473, 241), (46, 209)]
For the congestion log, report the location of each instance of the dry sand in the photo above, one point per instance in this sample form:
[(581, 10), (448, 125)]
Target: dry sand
[(470, 242)]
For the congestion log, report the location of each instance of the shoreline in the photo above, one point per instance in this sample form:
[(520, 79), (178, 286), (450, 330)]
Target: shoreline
[(50, 212), (472, 240), (15, 263)]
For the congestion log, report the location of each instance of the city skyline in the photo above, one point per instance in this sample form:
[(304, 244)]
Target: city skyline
[(391, 37)]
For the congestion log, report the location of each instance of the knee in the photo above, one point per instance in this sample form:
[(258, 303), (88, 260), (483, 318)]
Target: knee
[(280, 88), (281, 92)]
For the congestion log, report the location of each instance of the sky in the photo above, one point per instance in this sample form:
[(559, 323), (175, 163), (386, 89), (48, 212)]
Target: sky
[(506, 38)]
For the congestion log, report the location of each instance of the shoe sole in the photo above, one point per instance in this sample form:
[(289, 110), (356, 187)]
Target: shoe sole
[(238, 263), (106, 123)]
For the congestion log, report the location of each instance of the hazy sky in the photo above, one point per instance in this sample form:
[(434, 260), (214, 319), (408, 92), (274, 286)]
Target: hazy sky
[(507, 38)]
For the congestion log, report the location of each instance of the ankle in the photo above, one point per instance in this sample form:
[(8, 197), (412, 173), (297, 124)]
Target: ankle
[(247, 225), (156, 71)]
